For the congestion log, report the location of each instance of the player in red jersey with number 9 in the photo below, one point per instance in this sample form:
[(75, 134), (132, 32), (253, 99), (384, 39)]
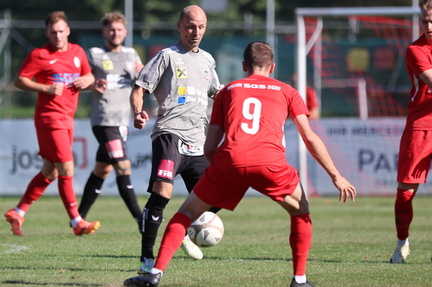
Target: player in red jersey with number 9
[(57, 72), (251, 113)]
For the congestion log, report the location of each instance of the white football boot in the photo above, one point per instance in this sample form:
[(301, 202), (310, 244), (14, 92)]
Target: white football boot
[(401, 253), (191, 249)]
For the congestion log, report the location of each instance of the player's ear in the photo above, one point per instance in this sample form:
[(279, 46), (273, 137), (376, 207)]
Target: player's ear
[(244, 66), (272, 67)]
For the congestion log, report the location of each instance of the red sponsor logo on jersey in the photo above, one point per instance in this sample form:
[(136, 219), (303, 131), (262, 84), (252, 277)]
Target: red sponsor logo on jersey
[(166, 169)]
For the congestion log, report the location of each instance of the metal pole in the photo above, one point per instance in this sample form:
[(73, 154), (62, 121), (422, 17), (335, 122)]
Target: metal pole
[(129, 22), (415, 19), (270, 25), (301, 87)]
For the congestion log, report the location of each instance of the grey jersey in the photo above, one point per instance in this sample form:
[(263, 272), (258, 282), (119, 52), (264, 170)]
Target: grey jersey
[(112, 108), (181, 81)]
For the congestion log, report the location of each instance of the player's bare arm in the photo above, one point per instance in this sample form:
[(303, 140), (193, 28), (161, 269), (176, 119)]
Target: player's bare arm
[(426, 77), (84, 82), (318, 150), (136, 102), (27, 84), (214, 136)]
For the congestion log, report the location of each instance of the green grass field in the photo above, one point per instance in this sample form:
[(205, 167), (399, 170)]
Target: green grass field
[(352, 244)]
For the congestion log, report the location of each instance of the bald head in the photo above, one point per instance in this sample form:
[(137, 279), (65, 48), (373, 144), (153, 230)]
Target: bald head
[(192, 11), (192, 26)]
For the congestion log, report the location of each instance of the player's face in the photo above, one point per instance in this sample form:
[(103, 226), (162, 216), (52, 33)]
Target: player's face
[(58, 34), (192, 29), (426, 23), (114, 34)]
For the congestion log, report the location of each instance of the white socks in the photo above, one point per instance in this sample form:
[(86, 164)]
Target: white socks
[(19, 211), (300, 279), (156, 271), (75, 221)]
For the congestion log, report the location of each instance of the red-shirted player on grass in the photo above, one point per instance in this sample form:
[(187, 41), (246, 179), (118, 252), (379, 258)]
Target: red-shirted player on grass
[(251, 113), (415, 150), (312, 102), (59, 69)]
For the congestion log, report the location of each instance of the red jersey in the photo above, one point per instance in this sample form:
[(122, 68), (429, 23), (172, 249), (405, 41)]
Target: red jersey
[(311, 98), (418, 58), (253, 112), (47, 66)]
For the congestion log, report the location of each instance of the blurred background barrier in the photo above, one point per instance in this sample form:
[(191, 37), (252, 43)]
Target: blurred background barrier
[(365, 151)]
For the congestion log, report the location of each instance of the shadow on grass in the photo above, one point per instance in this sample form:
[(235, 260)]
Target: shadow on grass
[(290, 260), (21, 283)]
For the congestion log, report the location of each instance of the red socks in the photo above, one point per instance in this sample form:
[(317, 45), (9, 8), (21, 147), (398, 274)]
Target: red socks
[(403, 212), (34, 190), (38, 185), (172, 239), (300, 241), (67, 194)]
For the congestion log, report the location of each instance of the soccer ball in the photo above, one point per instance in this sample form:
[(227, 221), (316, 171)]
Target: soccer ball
[(207, 230)]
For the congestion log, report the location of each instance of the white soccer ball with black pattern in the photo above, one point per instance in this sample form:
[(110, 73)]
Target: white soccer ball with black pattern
[(207, 230)]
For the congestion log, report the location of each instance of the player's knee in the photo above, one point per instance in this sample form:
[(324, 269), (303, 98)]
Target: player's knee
[(123, 168), (157, 201)]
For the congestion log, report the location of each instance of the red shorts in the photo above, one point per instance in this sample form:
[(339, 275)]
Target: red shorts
[(414, 156), (55, 145), (224, 186)]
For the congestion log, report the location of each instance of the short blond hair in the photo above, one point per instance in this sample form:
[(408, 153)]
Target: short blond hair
[(54, 17), (426, 5), (110, 17)]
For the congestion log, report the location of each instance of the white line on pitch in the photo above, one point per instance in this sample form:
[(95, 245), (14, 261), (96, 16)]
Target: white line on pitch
[(12, 248)]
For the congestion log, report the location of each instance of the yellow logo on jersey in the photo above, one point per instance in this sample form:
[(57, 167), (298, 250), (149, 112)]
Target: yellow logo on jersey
[(181, 90), (182, 73), (107, 65)]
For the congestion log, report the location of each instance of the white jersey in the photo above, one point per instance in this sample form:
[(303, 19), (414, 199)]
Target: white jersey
[(112, 108), (181, 81)]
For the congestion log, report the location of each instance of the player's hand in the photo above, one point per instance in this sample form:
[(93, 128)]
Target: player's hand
[(345, 188), (56, 89), (141, 119), (100, 85), (82, 83)]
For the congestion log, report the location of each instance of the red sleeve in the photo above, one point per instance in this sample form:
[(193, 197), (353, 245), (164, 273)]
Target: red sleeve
[(297, 105), (85, 65), (311, 98), (31, 65), (418, 59)]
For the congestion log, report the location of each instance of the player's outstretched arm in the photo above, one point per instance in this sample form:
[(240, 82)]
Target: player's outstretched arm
[(318, 150)]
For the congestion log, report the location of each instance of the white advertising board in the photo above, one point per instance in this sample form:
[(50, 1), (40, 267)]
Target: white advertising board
[(365, 151)]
